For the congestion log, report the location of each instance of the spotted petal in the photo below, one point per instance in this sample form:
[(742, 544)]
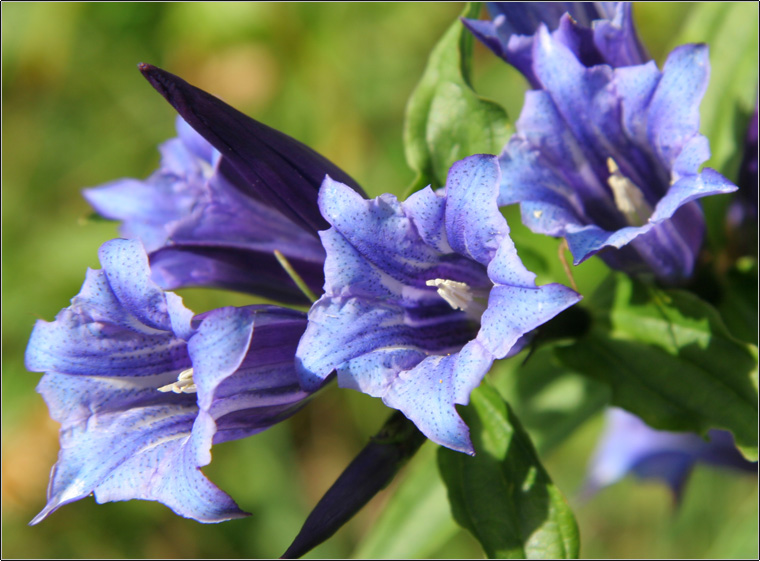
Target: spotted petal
[(122, 439)]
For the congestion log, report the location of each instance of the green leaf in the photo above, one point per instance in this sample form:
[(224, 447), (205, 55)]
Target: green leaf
[(670, 359), (503, 495), (445, 119), (416, 521), (738, 306)]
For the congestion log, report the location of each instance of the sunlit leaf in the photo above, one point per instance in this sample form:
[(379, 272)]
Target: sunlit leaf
[(445, 119), (503, 495)]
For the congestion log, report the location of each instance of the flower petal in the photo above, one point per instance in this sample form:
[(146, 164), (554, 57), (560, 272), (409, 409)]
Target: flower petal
[(244, 350), (372, 228), (103, 335), (242, 270), (232, 218), (150, 209), (229, 242), (427, 394), (597, 33), (385, 251), (515, 310), (616, 39), (340, 330), (673, 116), (126, 266), (628, 445), (474, 225), (122, 439)]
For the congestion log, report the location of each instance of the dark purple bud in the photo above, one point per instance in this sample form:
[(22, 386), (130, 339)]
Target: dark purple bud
[(368, 473), (280, 171)]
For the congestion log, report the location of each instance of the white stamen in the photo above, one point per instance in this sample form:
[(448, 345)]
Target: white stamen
[(456, 294), (628, 197), (184, 383)]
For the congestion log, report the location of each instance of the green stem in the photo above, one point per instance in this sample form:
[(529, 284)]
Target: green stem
[(285, 264)]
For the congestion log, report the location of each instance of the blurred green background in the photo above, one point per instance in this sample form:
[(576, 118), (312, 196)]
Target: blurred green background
[(77, 113)]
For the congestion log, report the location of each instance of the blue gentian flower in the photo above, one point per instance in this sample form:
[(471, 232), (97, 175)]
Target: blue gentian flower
[(224, 199), (630, 446), (422, 296), (142, 388), (596, 32), (609, 158)]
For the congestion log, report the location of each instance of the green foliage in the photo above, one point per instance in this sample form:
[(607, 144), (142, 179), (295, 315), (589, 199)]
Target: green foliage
[(445, 119), (730, 29), (670, 359), (738, 305), (503, 495)]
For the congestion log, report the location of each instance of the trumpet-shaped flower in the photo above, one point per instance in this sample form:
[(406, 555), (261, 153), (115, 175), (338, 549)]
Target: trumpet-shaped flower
[(630, 446), (142, 388), (422, 296), (223, 200), (609, 158), (596, 32)]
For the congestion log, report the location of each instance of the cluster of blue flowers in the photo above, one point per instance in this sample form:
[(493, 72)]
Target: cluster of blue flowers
[(416, 298)]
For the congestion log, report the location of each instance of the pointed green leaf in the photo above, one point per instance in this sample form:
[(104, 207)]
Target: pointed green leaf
[(670, 359), (445, 119), (503, 495)]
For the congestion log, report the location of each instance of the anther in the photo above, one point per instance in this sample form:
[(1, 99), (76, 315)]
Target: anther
[(456, 294), (184, 383)]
